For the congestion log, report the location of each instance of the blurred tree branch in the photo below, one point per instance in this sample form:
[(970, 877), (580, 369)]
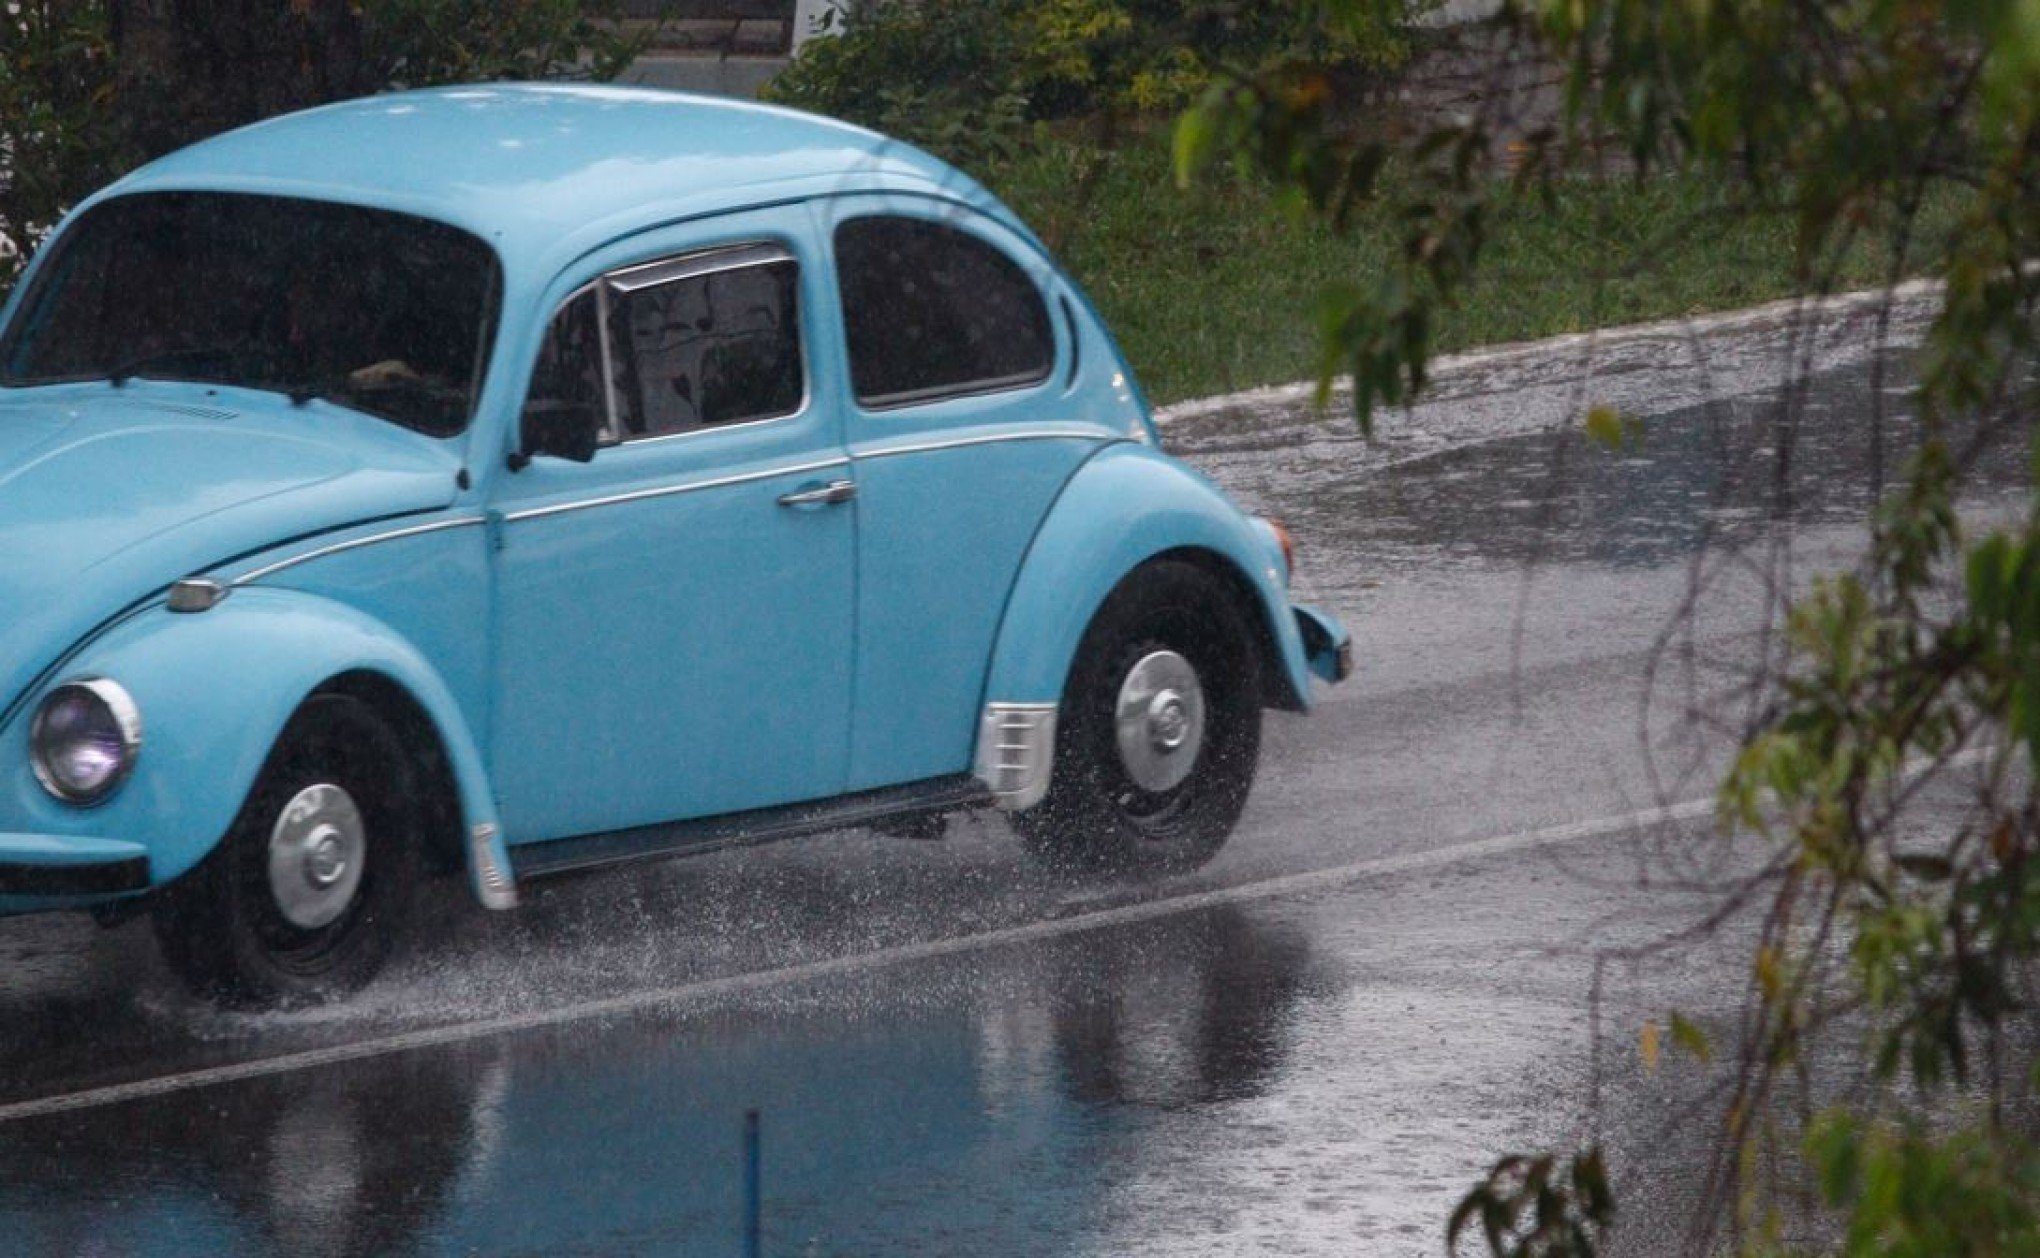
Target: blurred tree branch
[(1875, 682)]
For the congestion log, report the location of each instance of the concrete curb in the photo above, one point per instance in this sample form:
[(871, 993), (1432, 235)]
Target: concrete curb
[(1839, 313)]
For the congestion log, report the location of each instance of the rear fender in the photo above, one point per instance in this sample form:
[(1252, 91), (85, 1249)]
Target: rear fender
[(215, 690), (1127, 505)]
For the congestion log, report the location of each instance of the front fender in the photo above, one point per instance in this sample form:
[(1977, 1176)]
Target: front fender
[(215, 689), (1127, 505)]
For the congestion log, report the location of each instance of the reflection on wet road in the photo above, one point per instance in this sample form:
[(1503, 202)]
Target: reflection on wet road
[(1214, 1081), (627, 1137), (953, 1053)]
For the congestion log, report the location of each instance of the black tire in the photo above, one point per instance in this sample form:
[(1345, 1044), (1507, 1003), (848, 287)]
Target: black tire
[(1097, 817), (223, 927)]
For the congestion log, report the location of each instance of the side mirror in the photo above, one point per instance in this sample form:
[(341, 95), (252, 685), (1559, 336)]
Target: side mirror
[(564, 430)]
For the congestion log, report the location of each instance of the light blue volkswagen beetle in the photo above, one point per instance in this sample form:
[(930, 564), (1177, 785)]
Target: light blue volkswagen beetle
[(521, 480)]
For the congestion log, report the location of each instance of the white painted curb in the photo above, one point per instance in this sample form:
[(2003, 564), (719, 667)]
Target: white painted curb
[(1838, 312)]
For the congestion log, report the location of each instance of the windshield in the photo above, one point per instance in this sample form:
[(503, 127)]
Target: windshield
[(382, 312)]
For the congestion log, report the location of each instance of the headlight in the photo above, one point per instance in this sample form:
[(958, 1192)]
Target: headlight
[(84, 740)]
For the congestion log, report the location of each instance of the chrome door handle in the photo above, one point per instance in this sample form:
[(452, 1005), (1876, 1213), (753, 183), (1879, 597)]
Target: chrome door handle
[(822, 496)]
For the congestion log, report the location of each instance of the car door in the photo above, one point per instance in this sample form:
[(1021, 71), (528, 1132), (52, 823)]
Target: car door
[(674, 615), (963, 422)]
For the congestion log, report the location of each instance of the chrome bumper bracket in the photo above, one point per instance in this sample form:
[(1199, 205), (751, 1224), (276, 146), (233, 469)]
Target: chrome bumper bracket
[(1016, 752), (489, 864)]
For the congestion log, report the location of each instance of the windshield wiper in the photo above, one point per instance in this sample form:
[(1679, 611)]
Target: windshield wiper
[(133, 367), (142, 364), (299, 392), (304, 392), (341, 390)]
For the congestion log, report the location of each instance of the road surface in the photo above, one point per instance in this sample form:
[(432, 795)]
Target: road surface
[(1313, 1046)]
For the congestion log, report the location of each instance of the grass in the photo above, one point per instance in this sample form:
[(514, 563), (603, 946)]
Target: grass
[(1216, 288)]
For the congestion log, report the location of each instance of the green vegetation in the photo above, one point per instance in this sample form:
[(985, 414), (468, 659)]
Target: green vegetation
[(89, 89), (1217, 287), (1210, 288), (970, 79)]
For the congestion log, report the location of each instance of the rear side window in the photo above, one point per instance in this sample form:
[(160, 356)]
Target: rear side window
[(931, 312)]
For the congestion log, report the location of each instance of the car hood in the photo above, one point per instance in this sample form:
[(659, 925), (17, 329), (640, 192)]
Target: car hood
[(107, 496)]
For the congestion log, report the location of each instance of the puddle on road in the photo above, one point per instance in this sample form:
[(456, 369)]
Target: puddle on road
[(1205, 1084)]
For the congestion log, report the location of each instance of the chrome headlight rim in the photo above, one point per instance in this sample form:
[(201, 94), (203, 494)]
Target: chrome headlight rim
[(127, 719)]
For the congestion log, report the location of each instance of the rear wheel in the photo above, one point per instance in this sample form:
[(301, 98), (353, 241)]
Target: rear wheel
[(1159, 729), (305, 896)]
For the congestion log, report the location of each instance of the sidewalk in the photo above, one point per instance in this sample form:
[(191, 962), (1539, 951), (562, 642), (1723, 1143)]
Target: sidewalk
[(732, 56), (724, 74)]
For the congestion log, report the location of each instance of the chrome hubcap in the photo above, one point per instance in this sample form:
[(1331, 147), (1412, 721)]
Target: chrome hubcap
[(315, 856), (1160, 717)]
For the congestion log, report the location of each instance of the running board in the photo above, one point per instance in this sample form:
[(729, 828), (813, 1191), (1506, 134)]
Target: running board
[(743, 829)]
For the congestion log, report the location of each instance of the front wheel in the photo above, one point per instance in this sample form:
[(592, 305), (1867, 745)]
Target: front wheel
[(1159, 730), (304, 897)]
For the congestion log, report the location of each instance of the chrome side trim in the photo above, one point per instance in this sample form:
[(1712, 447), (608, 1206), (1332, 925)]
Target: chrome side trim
[(637, 442), (1016, 753), (494, 885), (356, 543), (953, 443), (693, 266), (612, 422), (667, 491)]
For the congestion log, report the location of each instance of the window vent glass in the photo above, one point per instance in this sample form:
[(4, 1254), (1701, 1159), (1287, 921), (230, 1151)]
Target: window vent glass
[(566, 387)]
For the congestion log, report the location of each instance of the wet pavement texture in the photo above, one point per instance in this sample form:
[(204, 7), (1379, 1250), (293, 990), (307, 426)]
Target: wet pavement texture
[(1313, 1046)]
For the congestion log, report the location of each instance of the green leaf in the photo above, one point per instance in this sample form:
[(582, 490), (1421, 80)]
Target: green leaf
[(1834, 1148), (1989, 572), (1197, 137), (1691, 1039), (1590, 1183), (1604, 425)]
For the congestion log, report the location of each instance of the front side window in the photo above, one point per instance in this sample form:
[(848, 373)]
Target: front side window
[(673, 347), (382, 312), (932, 312)]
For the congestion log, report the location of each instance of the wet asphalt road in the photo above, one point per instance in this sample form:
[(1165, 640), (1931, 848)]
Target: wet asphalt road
[(1313, 1046)]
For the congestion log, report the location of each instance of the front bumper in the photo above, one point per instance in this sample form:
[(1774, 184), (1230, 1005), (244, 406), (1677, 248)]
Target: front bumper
[(63, 865), (1327, 647)]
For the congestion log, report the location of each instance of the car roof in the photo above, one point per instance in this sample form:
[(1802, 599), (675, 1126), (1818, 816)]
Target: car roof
[(538, 169)]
